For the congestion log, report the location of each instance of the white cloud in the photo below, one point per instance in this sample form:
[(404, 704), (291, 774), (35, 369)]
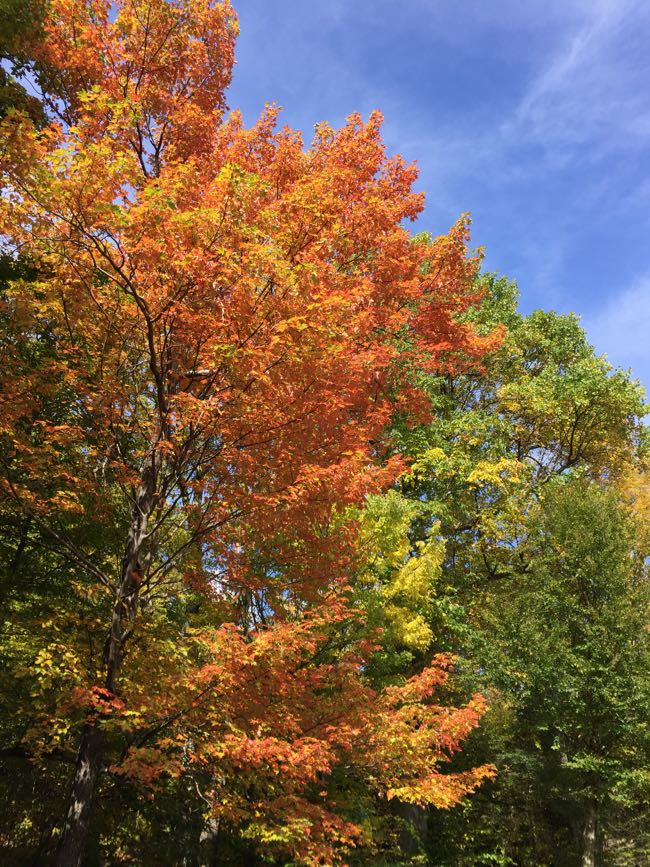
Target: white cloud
[(621, 329)]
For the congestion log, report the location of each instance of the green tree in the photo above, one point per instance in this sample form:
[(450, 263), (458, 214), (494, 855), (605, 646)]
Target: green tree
[(20, 21), (542, 408), (569, 652)]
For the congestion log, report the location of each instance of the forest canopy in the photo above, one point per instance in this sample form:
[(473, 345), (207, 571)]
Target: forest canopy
[(315, 550)]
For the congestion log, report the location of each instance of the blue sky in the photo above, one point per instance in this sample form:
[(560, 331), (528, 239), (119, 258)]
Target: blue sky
[(534, 115)]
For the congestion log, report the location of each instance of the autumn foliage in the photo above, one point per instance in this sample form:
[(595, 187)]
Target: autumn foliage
[(198, 375)]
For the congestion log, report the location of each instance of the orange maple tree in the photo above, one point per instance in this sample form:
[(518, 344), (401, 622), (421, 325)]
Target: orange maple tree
[(231, 320)]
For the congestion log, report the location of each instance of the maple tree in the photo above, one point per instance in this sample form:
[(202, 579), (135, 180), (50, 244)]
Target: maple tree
[(198, 374)]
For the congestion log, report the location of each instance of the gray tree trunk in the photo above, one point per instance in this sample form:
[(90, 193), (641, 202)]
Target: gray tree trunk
[(77, 822), (75, 830), (589, 835), (208, 842)]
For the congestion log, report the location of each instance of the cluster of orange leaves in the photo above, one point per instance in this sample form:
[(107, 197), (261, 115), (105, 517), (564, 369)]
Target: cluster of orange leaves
[(276, 725)]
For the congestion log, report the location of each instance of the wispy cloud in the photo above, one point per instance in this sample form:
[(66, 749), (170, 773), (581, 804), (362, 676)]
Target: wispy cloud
[(621, 328), (585, 98), (591, 96), (558, 157)]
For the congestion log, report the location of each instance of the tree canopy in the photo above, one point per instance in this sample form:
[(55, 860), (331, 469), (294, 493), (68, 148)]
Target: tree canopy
[(314, 549)]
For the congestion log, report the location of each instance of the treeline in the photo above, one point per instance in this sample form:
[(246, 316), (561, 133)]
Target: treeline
[(314, 549)]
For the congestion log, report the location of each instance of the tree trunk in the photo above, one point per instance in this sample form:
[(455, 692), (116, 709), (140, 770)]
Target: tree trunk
[(131, 572), (208, 840), (75, 830), (413, 831), (589, 835)]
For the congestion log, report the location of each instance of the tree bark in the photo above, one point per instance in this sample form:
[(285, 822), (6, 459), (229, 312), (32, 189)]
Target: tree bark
[(75, 830), (131, 572), (589, 835), (208, 840), (413, 830)]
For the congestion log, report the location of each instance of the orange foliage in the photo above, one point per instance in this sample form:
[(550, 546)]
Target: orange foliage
[(275, 723), (247, 314)]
